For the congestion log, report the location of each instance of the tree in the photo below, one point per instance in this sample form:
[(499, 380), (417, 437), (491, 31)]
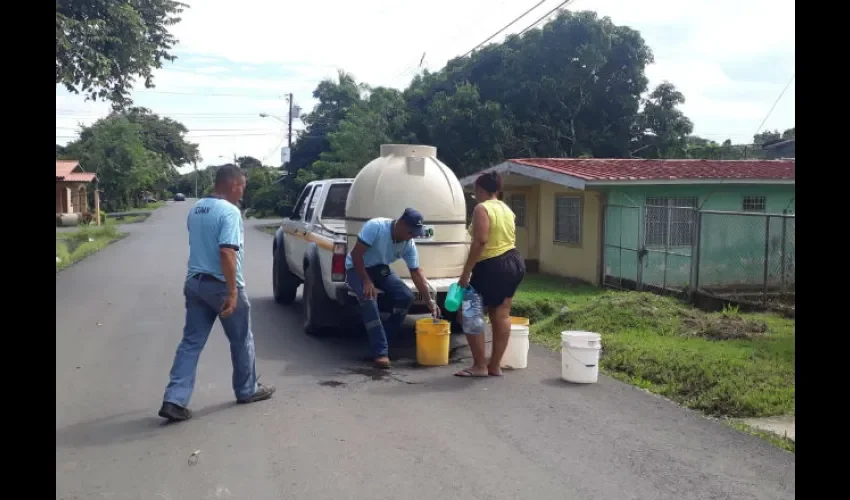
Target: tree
[(663, 128), (248, 162), (164, 136), (113, 149), (381, 118), (335, 99), (102, 46)]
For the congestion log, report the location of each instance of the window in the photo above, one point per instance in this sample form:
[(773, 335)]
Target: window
[(568, 219), (754, 204), (317, 193), (518, 203), (335, 203), (670, 221), (301, 204)]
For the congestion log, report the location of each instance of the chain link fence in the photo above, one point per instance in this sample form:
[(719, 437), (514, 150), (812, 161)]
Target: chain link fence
[(671, 246), (746, 257)]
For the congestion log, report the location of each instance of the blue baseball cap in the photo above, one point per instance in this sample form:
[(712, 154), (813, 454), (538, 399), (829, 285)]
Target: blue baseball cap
[(414, 220)]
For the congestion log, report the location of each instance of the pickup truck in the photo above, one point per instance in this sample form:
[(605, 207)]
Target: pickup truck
[(310, 248)]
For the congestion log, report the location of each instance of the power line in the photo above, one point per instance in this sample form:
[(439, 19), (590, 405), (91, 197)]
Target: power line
[(778, 98), (207, 94), (534, 25), (538, 4)]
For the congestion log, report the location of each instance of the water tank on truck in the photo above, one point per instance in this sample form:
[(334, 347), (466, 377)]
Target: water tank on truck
[(407, 175)]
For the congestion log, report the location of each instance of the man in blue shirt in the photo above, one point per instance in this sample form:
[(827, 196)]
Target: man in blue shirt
[(381, 242), (215, 287)]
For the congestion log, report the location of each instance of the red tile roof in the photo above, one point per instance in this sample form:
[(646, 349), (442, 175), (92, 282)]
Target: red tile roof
[(65, 167), (604, 169), (79, 177), (65, 172)]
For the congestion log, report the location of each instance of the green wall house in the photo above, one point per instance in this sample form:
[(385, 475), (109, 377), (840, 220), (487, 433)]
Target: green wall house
[(664, 223), (741, 215)]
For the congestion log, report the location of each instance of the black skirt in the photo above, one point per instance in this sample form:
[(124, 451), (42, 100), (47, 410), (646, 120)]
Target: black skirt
[(498, 278)]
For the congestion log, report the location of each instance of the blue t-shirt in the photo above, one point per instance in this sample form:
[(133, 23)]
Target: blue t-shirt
[(377, 234), (214, 223)]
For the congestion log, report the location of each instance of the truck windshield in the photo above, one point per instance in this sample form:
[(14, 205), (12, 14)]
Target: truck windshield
[(335, 203)]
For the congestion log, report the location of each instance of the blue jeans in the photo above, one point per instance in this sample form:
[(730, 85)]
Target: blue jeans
[(401, 298), (204, 298)]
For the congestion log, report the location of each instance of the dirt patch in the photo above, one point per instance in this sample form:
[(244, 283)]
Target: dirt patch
[(722, 326)]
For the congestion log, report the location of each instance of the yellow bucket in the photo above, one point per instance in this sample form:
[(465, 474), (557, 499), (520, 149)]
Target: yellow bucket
[(517, 320), (432, 342)]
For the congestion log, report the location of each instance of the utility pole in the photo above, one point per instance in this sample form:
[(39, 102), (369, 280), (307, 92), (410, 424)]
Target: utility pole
[(196, 177), (289, 135)]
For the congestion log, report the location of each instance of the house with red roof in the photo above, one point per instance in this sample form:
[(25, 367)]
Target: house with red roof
[(72, 185), (646, 221)]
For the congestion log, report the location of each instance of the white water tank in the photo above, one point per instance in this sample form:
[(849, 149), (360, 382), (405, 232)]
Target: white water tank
[(407, 175)]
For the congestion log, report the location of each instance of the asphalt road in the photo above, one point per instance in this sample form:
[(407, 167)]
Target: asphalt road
[(338, 430)]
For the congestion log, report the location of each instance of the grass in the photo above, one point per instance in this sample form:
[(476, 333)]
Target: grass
[(72, 247), (153, 206), (775, 439), (725, 364)]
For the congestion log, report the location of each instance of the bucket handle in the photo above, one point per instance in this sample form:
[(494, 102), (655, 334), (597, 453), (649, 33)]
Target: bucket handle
[(586, 366)]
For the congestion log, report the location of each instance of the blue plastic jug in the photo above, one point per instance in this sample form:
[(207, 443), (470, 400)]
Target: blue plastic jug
[(454, 297)]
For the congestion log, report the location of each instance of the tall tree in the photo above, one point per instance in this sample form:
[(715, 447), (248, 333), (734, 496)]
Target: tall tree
[(335, 99), (164, 135), (663, 128), (102, 46), (381, 118)]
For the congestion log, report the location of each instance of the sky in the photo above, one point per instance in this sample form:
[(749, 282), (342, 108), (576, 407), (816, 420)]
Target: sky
[(730, 58)]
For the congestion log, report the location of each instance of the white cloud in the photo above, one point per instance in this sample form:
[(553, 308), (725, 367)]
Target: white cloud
[(234, 47)]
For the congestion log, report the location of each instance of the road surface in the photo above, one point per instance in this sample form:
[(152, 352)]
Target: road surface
[(338, 430)]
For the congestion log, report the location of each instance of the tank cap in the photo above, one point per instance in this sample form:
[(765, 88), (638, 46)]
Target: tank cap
[(408, 150)]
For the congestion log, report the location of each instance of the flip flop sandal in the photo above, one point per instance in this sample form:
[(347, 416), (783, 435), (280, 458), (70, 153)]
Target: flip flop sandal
[(466, 373)]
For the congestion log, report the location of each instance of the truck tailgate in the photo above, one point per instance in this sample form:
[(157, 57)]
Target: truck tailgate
[(441, 285)]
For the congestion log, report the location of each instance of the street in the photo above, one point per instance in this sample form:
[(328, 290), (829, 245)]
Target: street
[(337, 429)]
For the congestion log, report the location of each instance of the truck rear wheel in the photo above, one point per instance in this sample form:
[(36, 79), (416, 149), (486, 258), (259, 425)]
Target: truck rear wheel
[(284, 283), (320, 312)]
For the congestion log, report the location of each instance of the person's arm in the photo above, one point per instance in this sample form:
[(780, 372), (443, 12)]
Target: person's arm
[(228, 247), (480, 235), (365, 239)]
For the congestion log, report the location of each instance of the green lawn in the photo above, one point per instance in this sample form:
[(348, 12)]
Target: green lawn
[(72, 247), (726, 364), (153, 206)]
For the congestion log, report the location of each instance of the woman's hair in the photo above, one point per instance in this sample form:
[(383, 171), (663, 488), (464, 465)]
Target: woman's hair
[(490, 182)]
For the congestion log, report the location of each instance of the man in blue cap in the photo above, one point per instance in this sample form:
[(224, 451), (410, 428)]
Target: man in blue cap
[(381, 242)]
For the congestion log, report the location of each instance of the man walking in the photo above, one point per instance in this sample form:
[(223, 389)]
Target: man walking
[(381, 242), (215, 287)]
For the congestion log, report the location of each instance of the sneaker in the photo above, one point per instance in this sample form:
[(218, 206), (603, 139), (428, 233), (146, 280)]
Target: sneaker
[(382, 362), (174, 413), (262, 393)]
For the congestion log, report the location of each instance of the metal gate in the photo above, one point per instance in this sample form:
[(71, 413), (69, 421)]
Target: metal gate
[(650, 247)]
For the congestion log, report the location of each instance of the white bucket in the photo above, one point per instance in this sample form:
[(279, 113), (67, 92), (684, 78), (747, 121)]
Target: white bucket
[(580, 356), (516, 354)]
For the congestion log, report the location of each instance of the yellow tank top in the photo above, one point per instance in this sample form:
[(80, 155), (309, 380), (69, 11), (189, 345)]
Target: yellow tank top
[(502, 235)]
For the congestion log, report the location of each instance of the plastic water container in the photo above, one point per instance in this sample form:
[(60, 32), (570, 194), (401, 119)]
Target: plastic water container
[(580, 356), (432, 342), (454, 297), (516, 354), (472, 316)]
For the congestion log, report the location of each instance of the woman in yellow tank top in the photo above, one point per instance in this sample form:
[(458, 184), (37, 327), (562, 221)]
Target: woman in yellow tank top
[(494, 269)]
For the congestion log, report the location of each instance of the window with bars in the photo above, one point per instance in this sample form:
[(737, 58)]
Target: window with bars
[(670, 221), (754, 203), (568, 219), (518, 204)]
